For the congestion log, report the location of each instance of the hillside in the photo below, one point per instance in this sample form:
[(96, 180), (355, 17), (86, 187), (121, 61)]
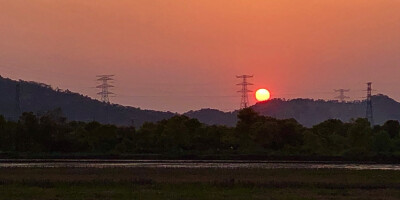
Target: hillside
[(214, 117), (39, 98), (308, 111)]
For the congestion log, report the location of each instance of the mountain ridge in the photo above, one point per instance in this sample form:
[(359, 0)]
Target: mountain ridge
[(310, 112), (39, 98)]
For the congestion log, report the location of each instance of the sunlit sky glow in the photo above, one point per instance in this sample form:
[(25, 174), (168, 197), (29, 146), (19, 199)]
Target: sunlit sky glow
[(181, 55)]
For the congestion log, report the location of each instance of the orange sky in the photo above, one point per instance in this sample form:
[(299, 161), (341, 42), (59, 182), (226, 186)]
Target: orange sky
[(180, 55)]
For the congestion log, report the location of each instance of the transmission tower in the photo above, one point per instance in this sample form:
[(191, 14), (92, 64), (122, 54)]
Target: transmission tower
[(18, 100), (105, 87), (342, 97), (370, 115), (244, 91)]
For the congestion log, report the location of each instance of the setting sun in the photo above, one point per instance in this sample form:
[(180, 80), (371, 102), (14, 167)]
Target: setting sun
[(262, 95)]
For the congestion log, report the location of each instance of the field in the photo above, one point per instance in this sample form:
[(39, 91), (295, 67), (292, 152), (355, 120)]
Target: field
[(182, 184)]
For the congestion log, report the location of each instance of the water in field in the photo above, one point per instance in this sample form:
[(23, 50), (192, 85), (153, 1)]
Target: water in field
[(65, 163)]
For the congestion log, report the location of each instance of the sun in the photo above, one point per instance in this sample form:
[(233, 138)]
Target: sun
[(262, 95)]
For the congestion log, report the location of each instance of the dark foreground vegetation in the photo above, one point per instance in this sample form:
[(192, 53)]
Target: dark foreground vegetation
[(196, 184), (181, 136)]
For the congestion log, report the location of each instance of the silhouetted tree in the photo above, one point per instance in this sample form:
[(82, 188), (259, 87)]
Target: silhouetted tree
[(181, 135), (392, 127)]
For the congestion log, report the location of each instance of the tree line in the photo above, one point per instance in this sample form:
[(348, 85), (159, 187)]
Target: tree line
[(180, 135)]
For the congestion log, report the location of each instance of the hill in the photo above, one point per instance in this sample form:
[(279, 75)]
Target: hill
[(308, 112), (40, 98), (214, 117)]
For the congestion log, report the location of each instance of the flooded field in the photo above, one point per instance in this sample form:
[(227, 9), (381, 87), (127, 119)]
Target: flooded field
[(223, 164)]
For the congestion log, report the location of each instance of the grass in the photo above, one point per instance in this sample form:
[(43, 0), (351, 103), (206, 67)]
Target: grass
[(182, 184)]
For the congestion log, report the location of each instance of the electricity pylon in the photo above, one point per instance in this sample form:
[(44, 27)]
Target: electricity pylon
[(105, 87), (341, 96), (369, 114), (244, 91)]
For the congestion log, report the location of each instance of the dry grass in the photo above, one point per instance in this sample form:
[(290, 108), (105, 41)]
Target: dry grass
[(146, 183)]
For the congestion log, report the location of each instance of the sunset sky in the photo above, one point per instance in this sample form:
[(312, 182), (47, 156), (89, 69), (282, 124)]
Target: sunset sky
[(182, 55)]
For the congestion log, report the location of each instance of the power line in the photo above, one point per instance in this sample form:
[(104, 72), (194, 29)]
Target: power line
[(342, 97), (244, 91), (180, 96)]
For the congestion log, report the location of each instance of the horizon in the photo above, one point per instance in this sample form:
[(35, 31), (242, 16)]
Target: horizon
[(179, 56), (205, 108)]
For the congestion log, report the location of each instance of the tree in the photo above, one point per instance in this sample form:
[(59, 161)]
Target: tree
[(27, 133), (359, 137), (246, 118), (392, 127), (267, 134), (382, 142), (312, 144), (332, 137), (178, 133), (5, 136)]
